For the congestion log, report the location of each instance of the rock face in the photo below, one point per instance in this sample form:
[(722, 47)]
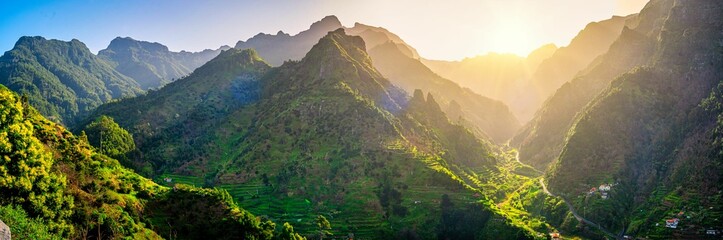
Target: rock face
[(4, 231)]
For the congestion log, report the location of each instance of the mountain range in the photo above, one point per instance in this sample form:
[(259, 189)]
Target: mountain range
[(330, 115), (342, 132), (152, 65)]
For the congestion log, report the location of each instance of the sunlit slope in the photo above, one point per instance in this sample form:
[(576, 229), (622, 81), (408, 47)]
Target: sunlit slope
[(325, 135), (654, 133), (63, 80)]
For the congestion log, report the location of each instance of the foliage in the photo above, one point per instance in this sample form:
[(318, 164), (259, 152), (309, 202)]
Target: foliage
[(24, 227), (325, 135), (109, 138), (63, 80), (62, 183), (287, 233), (323, 226), (192, 213), (652, 133)]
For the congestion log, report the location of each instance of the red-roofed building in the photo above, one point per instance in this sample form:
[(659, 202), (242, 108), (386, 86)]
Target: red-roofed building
[(672, 223)]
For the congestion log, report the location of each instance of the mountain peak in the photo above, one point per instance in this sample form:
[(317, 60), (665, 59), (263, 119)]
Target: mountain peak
[(327, 22), (128, 42), (348, 46)]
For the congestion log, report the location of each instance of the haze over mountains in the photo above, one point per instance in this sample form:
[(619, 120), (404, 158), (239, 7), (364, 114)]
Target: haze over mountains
[(152, 64), (348, 132)]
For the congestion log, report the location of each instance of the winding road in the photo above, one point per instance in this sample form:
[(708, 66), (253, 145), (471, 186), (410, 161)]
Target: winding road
[(577, 216)]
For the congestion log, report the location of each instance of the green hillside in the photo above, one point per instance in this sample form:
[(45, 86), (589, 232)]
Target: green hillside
[(654, 134), (63, 80), (541, 140), (55, 186), (327, 135)]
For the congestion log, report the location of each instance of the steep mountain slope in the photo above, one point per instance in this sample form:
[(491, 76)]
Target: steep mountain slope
[(481, 112), (62, 80), (276, 49), (63, 185), (567, 61), (184, 113), (151, 64), (541, 140), (503, 77), (490, 116), (375, 36), (654, 133), (325, 135)]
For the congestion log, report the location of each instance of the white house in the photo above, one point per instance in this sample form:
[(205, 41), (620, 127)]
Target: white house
[(672, 223)]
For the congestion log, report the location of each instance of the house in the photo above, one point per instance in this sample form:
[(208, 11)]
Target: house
[(604, 195), (168, 180), (592, 190), (672, 223), (555, 236), (417, 202), (712, 232), (604, 187), (4, 231)]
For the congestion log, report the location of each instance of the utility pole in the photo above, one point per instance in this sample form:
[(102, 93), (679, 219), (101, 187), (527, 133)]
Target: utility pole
[(101, 140)]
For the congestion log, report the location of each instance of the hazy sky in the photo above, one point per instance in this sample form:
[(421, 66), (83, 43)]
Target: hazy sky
[(450, 29)]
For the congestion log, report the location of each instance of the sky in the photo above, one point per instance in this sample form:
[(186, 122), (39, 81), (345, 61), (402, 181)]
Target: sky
[(445, 30)]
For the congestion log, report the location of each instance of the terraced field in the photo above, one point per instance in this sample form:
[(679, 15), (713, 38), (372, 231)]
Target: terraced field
[(355, 217)]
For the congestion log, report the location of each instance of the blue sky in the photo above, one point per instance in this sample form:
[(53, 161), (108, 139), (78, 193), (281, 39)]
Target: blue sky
[(438, 29)]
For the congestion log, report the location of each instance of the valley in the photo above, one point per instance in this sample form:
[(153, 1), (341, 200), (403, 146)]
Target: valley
[(343, 132)]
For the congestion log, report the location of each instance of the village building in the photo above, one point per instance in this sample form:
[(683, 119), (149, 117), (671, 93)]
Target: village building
[(712, 232), (672, 223), (4, 231)]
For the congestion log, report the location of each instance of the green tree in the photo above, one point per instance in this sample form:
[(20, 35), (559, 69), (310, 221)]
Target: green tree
[(287, 233), (109, 138), (25, 168), (324, 226)]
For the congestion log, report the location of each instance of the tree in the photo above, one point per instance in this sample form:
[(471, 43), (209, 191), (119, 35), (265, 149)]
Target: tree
[(287, 233), (109, 138), (324, 226), (25, 169)]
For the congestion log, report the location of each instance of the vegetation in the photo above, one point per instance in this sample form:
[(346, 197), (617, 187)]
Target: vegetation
[(152, 65), (542, 139), (652, 134), (109, 138), (327, 135), (24, 227), (63, 80), (54, 185), (327, 143)]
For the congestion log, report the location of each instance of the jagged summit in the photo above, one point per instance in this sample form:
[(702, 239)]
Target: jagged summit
[(327, 22)]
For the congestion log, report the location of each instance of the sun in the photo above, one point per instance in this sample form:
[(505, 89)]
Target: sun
[(510, 36)]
